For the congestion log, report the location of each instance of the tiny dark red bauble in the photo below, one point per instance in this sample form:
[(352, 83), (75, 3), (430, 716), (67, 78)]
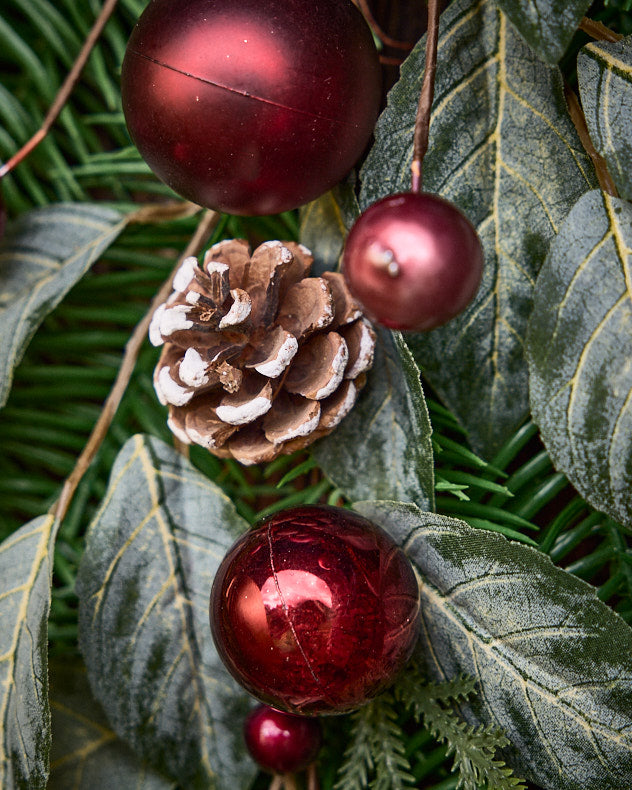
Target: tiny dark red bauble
[(282, 742), (315, 610), (413, 260), (251, 106)]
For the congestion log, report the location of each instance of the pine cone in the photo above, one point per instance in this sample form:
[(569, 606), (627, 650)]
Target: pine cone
[(258, 358)]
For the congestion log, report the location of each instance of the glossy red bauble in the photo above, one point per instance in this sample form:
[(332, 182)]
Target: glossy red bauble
[(251, 106), (282, 742), (413, 260), (315, 610)]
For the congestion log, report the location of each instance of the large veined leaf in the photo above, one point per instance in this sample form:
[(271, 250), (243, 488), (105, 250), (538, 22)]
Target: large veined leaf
[(546, 25), (26, 561), (604, 73), (503, 148), (553, 663), (45, 252), (580, 353), (86, 754), (383, 449), (144, 585)]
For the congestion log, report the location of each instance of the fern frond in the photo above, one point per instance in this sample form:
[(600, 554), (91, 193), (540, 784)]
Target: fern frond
[(474, 748), (377, 748)]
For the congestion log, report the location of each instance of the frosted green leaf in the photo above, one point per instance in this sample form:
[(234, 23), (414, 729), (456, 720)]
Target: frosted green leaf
[(546, 25), (45, 252), (26, 561), (324, 224), (553, 663), (503, 148), (86, 753), (580, 353), (144, 584), (604, 72), (383, 449)]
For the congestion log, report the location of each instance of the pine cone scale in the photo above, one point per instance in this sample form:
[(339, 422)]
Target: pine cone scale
[(258, 358)]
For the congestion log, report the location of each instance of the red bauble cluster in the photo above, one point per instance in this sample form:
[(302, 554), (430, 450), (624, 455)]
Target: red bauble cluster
[(315, 610), (413, 260), (281, 742), (251, 106)]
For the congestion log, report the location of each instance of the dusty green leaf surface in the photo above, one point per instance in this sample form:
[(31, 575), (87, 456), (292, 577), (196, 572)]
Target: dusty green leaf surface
[(553, 663), (604, 72), (503, 148), (580, 352), (546, 25), (383, 449), (144, 584), (45, 252), (86, 753), (26, 559), (324, 224)]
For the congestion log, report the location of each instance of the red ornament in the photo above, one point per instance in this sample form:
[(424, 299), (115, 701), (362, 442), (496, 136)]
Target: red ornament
[(281, 742), (413, 260), (315, 610), (251, 106)]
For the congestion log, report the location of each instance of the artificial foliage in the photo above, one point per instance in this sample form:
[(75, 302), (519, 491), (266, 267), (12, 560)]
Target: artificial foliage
[(503, 470)]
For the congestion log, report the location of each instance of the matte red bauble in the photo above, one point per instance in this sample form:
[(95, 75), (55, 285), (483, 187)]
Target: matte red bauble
[(315, 610), (413, 260), (251, 106), (282, 742)]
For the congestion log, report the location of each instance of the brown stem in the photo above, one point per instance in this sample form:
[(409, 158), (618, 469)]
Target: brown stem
[(598, 30), (132, 349), (276, 783), (289, 782), (64, 91), (577, 115), (422, 119), (384, 37), (312, 778)]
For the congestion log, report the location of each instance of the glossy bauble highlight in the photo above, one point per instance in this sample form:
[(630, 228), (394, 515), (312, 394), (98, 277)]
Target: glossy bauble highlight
[(251, 106), (413, 260), (315, 610), (282, 742)]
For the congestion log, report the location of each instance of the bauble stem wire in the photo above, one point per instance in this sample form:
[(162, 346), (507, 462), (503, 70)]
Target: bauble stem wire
[(422, 119)]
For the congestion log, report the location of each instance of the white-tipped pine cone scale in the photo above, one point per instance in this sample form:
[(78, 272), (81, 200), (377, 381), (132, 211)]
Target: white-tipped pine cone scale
[(259, 358)]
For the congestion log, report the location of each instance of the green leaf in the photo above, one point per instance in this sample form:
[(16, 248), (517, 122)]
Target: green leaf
[(503, 148), (604, 73), (86, 754), (45, 252), (382, 449), (546, 25), (553, 663), (324, 224), (144, 584), (26, 560), (579, 351)]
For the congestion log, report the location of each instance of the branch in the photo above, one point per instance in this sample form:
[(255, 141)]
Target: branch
[(64, 91), (598, 30), (577, 115), (132, 349)]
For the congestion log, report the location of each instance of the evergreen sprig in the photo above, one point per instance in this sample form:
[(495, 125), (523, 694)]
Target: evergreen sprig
[(474, 748), (376, 748)]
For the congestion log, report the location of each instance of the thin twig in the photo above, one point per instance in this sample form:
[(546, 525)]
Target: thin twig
[(422, 120), (598, 30), (64, 91), (289, 782), (384, 37), (132, 349), (577, 115), (312, 777)]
